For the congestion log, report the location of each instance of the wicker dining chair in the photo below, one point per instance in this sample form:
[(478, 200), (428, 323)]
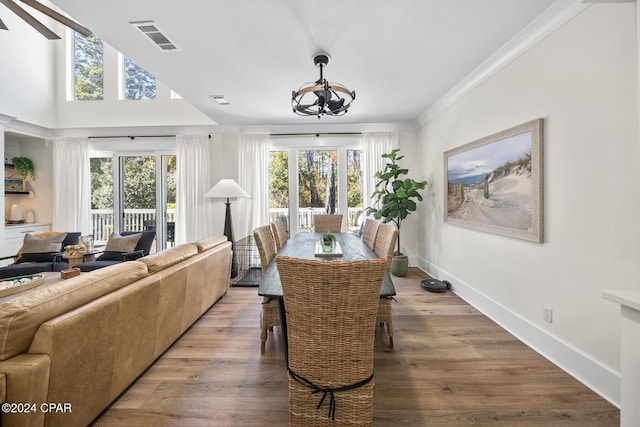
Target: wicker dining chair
[(385, 243), (331, 314), (279, 233), (369, 232), (327, 223), (270, 315)]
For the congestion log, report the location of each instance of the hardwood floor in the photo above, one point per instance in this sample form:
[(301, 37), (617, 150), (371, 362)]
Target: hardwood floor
[(451, 366)]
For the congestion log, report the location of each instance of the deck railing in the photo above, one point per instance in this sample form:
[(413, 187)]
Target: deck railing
[(134, 219), (305, 217)]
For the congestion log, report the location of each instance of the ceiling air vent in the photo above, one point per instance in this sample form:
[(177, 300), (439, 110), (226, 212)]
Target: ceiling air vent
[(153, 32)]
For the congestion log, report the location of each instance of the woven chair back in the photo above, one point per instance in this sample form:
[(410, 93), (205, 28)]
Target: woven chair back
[(327, 223), (385, 242), (266, 245), (331, 309), (279, 233), (369, 232)]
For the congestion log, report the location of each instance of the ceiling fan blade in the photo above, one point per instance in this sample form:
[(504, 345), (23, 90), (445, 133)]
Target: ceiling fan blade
[(58, 17), (335, 105), (2, 26), (37, 25), (302, 108), (324, 94)]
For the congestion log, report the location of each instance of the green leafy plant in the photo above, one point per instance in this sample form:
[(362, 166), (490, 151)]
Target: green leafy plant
[(328, 238), (395, 196), (24, 167)]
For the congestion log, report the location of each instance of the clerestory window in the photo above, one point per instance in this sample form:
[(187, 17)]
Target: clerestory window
[(139, 84), (88, 68)]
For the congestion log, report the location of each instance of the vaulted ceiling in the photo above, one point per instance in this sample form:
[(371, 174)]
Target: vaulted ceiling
[(399, 56)]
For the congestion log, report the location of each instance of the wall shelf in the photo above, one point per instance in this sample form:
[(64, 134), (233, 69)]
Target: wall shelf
[(16, 192)]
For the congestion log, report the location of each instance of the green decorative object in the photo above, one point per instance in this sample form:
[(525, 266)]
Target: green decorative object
[(24, 167), (328, 242), (395, 197), (400, 265)]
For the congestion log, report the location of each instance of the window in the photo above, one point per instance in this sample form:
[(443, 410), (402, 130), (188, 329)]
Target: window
[(324, 178), (317, 185), (279, 185), (354, 190), (139, 84), (88, 68), (142, 196), (101, 198)]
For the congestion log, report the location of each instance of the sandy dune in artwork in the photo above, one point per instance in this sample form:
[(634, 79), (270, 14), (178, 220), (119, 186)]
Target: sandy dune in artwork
[(508, 205)]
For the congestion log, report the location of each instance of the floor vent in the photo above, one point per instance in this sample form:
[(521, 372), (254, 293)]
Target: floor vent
[(155, 35)]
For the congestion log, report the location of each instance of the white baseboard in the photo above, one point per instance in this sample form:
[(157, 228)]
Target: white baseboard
[(591, 373)]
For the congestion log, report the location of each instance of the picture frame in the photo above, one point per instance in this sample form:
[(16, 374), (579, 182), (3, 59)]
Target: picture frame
[(495, 184), (13, 184)]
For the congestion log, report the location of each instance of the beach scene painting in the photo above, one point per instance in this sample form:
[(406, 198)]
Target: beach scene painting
[(495, 184)]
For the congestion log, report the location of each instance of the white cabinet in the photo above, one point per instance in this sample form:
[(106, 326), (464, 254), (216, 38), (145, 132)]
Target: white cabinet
[(14, 236)]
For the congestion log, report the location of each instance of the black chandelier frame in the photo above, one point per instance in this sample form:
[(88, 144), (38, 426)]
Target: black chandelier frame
[(324, 103)]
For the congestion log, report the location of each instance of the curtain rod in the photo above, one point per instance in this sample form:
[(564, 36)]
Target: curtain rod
[(316, 134), (135, 136)]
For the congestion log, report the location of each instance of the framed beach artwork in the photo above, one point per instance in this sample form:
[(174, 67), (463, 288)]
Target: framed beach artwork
[(495, 184)]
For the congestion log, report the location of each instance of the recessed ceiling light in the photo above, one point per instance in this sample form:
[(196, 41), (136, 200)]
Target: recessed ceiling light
[(220, 99)]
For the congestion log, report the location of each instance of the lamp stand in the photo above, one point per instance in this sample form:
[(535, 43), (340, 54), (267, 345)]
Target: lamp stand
[(228, 231)]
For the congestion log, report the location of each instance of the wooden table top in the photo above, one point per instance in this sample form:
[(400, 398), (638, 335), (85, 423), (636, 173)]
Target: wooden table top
[(303, 246)]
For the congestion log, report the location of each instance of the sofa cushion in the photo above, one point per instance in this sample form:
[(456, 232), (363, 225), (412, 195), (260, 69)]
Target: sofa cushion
[(118, 243), (33, 244), (210, 242), (110, 256), (16, 270), (36, 257), (21, 314), (94, 265), (168, 257), (145, 242)]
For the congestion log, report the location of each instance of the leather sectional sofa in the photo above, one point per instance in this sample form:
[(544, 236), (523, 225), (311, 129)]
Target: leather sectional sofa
[(79, 343)]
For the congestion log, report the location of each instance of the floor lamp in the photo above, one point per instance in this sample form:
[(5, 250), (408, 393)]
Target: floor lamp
[(228, 189)]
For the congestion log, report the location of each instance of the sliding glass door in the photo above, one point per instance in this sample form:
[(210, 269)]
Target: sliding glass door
[(134, 192)]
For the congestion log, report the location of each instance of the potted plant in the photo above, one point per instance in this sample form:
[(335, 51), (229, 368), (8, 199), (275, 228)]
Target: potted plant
[(25, 169), (328, 241), (394, 199)]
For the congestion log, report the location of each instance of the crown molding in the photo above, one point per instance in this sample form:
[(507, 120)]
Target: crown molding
[(549, 21)]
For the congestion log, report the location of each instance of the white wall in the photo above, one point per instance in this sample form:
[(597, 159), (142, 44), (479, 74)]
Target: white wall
[(27, 85), (582, 80)]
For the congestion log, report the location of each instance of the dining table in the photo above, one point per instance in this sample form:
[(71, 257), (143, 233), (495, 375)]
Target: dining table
[(306, 245)]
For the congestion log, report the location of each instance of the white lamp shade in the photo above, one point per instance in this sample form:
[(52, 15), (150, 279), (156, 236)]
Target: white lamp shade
[(227, 188)]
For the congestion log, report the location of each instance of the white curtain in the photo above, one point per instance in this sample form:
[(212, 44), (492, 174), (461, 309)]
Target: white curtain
[(196, 174), (71, 185), (253, 176), (374, 145)]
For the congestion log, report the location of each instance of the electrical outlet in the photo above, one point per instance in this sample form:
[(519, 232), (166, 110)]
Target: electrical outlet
[(547, 314)]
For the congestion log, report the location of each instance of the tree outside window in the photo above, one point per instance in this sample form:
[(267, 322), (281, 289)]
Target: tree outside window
[(88, 68), (139, 84)]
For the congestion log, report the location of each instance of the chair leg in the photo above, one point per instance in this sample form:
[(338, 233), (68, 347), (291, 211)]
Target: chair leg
[(263, 337), (390, 333)]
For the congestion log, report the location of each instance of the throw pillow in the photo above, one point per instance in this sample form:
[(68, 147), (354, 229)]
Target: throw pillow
[(33, 244), (118, 243)]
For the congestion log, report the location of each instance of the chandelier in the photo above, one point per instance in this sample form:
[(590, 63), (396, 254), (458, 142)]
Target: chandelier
[(321, 97)]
